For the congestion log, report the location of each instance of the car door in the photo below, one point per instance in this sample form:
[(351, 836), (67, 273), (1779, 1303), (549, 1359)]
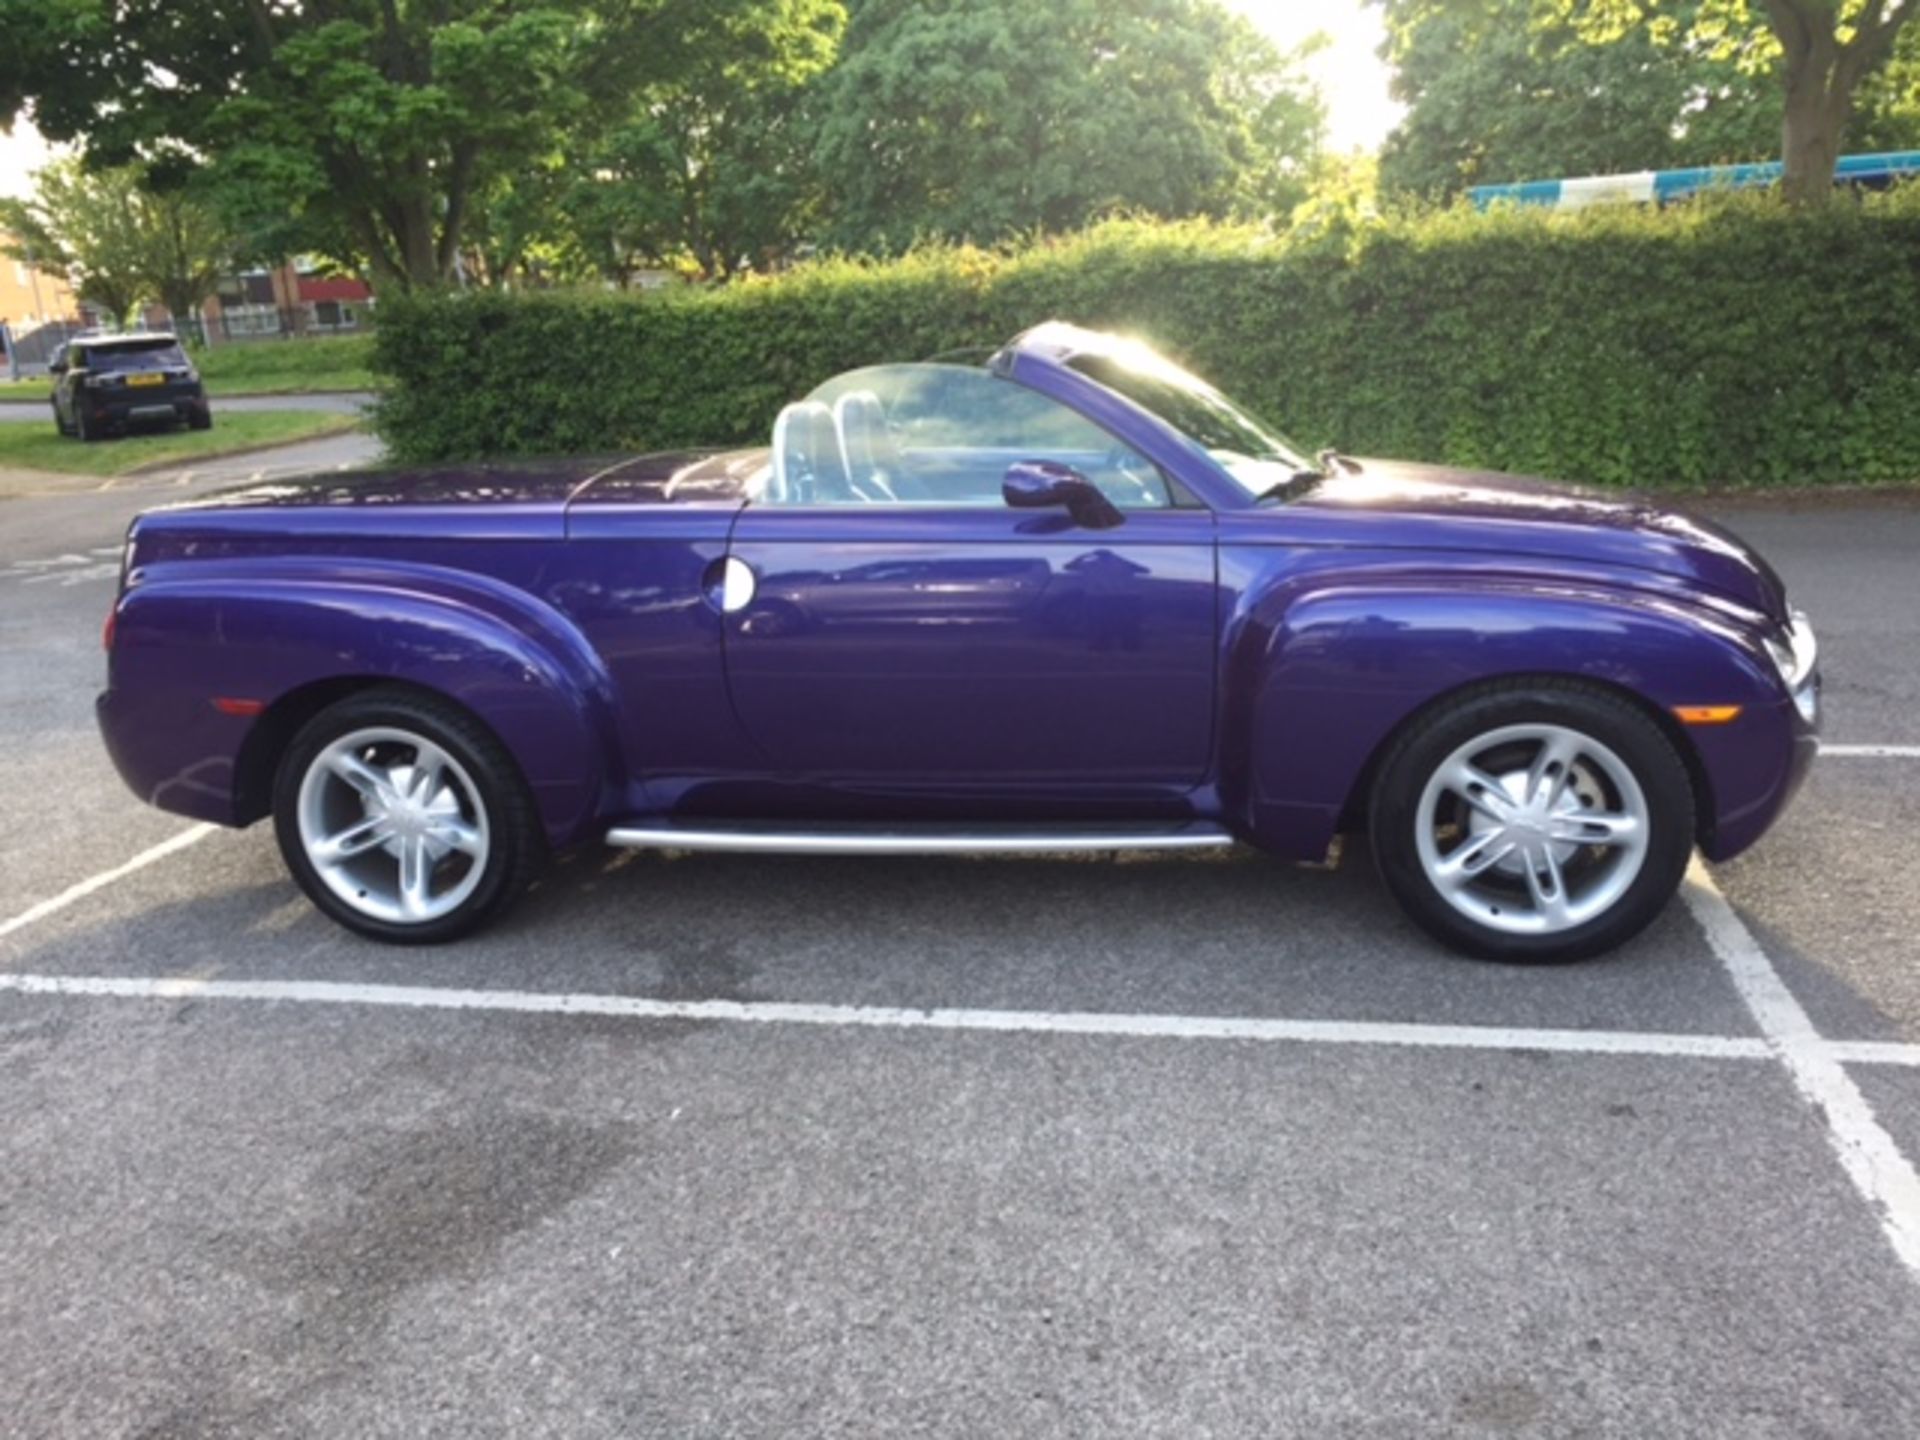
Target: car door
[(892, 623)]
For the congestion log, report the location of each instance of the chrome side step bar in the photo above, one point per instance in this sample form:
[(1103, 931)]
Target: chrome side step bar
[(765, 839)]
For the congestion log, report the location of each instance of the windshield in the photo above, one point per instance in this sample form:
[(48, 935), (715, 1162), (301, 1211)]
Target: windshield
[(135, 355), (1258, 457)]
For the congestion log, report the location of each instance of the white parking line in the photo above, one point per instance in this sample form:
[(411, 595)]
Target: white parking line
[(105, 878), (102, 562), (1883, 1175), (1162, 1027), (1871, 752), (1875, 1052)]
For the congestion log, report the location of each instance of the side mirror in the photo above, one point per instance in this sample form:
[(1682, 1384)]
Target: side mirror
[(58, 367), (1044, 485)]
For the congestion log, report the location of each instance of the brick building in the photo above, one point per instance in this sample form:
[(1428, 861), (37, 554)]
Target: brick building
[(30, 296), (288, 299)]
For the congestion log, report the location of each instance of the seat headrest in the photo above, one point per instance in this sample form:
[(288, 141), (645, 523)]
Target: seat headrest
[(806, 453)]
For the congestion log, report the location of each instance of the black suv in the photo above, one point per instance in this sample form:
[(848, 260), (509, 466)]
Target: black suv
[(103, 384)]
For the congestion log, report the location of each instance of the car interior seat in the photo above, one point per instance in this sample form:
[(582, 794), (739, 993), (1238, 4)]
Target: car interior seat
[(808, 465), (874, 466)]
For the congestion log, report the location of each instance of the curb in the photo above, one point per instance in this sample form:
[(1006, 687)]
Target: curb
[(158, 467), (288, 394), (19, 482), (1792, 497)]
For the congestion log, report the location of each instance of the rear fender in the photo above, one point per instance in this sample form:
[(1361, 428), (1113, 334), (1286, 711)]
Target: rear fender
[(1318, 680), (191, 633)]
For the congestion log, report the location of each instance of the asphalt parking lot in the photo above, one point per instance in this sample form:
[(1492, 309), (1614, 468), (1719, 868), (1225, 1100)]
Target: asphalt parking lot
[(778, 1146)]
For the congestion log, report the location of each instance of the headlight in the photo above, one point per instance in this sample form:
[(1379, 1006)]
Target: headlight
[(1794, 651), (1783, 659), (1794, 655)]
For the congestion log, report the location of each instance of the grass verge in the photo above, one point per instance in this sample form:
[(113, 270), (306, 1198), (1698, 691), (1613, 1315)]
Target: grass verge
[(255, 367), (287, 367), (38, 447)]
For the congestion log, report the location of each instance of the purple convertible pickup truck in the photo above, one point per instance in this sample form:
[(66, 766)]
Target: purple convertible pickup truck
[(1072, 598)]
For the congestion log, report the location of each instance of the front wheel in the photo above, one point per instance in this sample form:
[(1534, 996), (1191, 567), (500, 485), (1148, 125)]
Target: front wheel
[(403, 818), (1533, 821)]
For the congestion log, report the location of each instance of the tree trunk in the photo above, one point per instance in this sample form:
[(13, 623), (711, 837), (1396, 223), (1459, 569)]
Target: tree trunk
[(419, 246), (1822, 74), (459, 185), (1818, 106), (179, 298)]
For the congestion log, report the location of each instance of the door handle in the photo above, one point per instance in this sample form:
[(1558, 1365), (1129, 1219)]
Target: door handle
[(730, 584)]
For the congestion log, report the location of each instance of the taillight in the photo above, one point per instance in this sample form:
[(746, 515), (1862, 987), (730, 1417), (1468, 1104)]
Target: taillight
[(106, 630)]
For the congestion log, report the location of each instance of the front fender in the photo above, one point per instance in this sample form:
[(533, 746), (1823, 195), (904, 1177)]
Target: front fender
[(188, 633), (1318, 679)]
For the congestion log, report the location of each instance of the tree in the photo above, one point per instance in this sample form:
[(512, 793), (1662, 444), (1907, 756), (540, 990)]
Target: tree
[(1502, 90), (1887, 109), (714, 163), (1821, 52), (724, 177), (121, 241), (515, 230), (364, 127), (188, 247), (1512, 89), (981, 118), (80, 224), (1825, 62)]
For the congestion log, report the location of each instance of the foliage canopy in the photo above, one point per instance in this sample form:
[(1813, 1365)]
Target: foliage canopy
[(981, 119), (1501, 90), (364, 128), (121, 241)]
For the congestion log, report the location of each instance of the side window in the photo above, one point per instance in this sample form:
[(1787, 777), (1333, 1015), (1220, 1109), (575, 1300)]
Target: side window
[(940, 435)]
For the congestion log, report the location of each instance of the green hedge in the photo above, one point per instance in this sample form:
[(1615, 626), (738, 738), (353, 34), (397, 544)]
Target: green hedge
[(1730, 342)]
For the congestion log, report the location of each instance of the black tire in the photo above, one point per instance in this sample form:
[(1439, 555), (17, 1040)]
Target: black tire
[(516, 847), (200, 419), (1598, 714), (84, 432)]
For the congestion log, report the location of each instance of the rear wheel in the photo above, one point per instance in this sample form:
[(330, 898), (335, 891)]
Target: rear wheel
[(404, 819), (200, 418), (1534, 821), (82, 427)]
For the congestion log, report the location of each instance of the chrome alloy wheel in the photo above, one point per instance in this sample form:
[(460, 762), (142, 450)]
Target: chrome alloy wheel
[(1532, 829), (393, 825)]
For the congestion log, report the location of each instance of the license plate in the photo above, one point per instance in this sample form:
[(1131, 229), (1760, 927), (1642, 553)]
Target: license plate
[(146, 380)]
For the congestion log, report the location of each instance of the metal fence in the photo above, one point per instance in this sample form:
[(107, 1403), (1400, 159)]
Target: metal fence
[(275, 322), (30, 347)]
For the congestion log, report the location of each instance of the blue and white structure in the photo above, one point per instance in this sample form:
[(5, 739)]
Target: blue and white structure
[(1660, 186)]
